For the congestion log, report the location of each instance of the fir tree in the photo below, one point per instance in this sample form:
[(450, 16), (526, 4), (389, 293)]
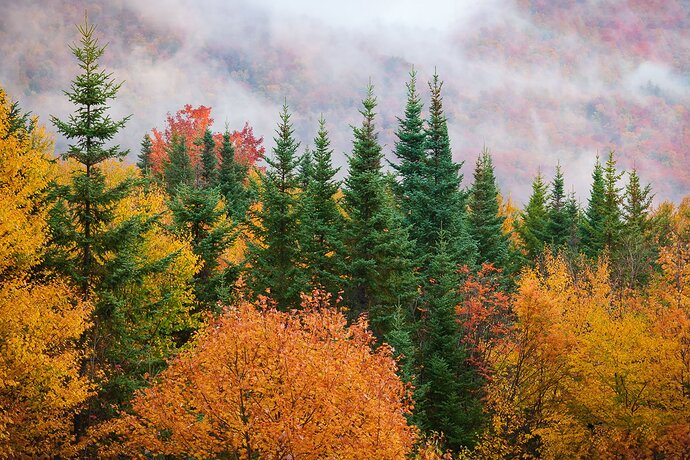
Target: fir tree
[(232, 176), (447, 205), (533, 228), (378, 248), (612, 203), (322, 222), (450, 401), (90, 128), (209, 161), (485, 222), (274, 259), (558, 230), (306, 169), (636, 256), (144, 164), (178, 169), (592, 225), (199, 216), (573, 223)]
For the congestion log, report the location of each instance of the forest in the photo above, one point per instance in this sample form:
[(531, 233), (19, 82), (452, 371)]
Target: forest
[(215, 300)]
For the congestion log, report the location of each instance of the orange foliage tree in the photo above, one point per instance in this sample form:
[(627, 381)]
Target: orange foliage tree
[(41, 318), (259, 383), (191, 123)]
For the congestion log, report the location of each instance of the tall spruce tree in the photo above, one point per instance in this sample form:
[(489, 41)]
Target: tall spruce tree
[(274, 259), (558, 230), (485, 222), (533, 226), (104, 255), (379, 252), (449, 402), (144, 164), (592, 225), (322, 224), (90, 128), (209, 161), (232, 176), (177, 170), (573, 223), (305, 170), (636, 255), (447, 209)]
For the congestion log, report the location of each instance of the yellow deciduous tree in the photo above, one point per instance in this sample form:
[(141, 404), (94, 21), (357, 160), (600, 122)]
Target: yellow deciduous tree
[(40, 316)]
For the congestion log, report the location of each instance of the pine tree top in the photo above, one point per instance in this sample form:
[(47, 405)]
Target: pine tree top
[(90, 126)]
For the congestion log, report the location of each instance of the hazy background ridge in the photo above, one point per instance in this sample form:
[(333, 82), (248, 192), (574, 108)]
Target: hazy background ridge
[(535, 81)]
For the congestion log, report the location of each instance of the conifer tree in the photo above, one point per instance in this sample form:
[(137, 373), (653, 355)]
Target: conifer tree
[(533, 228), (612, 202), (322, 224), (592, 225), (273, 260), (178, 169), (414, 199), (232, 176), (306, 168), (558, 230), (636, 256), (449, 403), (88, 200), (209, 161), (378, 249), (573, 223), (199, 215), (144, 163), (105, 254), (485, 222)]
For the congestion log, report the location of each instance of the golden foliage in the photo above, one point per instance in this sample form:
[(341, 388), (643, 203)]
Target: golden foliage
[(259, 383)]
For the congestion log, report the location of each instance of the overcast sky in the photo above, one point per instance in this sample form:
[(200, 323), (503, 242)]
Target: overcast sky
[(536, 84)]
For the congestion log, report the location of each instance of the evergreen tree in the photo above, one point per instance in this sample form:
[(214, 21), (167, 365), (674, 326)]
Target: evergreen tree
[(144, 163), (485, 222), (533, 228), (573, 223), (447, 209), (592, 225), (106, 255), (232, 176), (450, 401), (90, 128), (557, 230), (602, 225), (305, 169), (378, 248), (414, 199), (274, 258), (634, 261), (178, 169), (200, 217), (322, 225), (209, 161)]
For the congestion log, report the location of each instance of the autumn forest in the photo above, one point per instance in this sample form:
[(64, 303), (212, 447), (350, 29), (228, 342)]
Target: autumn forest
[(218, 300)]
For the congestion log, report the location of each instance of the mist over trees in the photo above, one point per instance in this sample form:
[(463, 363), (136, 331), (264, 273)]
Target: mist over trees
[(219, 301)]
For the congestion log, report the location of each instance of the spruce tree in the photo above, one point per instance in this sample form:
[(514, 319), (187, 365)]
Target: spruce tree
[(305, 170), (533, 227), (144, 164), (485, 222), (636, 256), (199, 216), (413, 197), (103, 255), (557, 230), (612, 204), (449, 403), (322, 224), (209, 161), (178, 169), (447, 209), (573, 223), (592, 225), (232, 176), (378, 249), (273, 260), (90, 128)]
